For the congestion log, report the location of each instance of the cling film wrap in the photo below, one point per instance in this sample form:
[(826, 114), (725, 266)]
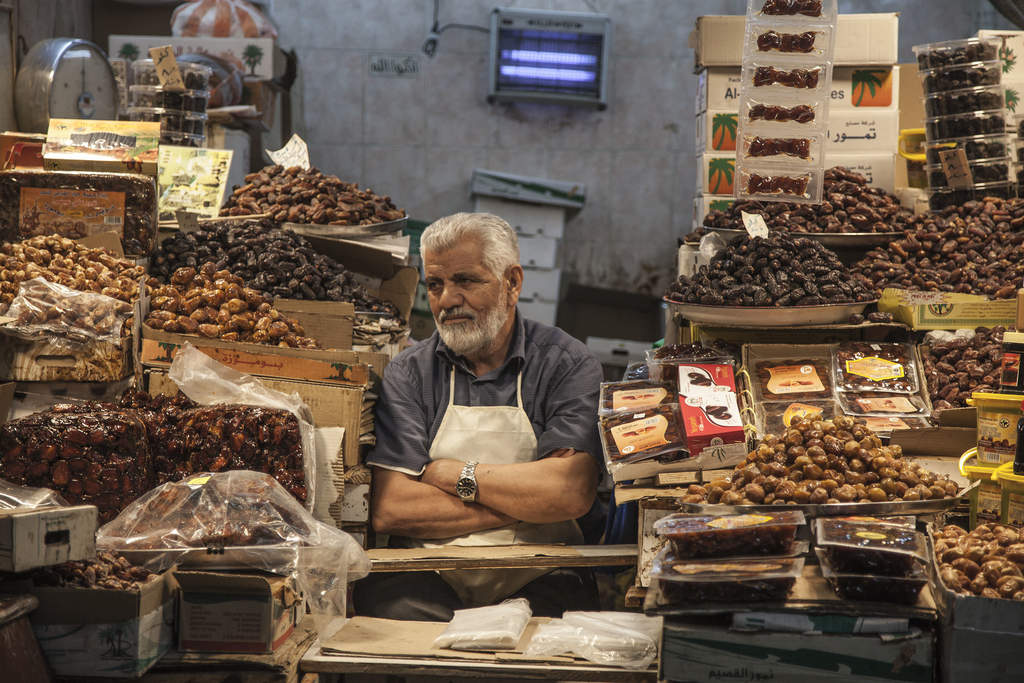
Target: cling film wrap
[(497, 627), (251, 520), (210, 383), (48, 311), (618, 639), (784, 99)]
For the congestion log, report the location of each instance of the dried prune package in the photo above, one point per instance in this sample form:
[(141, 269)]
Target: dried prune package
[(251, 521)]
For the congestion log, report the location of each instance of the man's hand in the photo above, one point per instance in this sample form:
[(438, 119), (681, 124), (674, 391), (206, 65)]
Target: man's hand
[(444, 473)]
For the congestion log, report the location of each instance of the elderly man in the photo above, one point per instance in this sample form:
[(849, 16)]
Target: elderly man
[(486, 435)]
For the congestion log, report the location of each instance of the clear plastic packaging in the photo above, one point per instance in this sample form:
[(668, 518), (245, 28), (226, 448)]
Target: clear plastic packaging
[(13, 496), (497, 627), (813, 42), (991, 122), (620, 639), (942, 197), (884, 405), (875, 367), (44, 309), (779, 113), (156, 96), (629, 437), (964, 101), (972, 75), (740, 581), (997, 171), (780, 183), (171, 120), (807, 148), (630, 397), (854, 546), (885, 426), (976, 148), (791, 379), (701, 536), (182, 139), (902, 590), (250, 521), (663, 363), (905, 521), (950, 52), (779, 415), (195, 76), (797, 11), (799, 80)]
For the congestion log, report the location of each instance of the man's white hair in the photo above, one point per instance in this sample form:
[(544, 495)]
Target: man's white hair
[(498, 240)]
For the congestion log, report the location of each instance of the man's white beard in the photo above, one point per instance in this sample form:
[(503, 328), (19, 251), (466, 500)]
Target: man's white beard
[(470, 336)]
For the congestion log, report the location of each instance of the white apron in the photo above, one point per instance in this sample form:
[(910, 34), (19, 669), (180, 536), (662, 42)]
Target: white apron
[(494, 435)]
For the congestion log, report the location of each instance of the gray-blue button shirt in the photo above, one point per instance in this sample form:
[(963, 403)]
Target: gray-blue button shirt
[(561, 381)]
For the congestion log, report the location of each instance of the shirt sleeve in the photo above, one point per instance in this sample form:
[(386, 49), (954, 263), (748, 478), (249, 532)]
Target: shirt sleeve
[(400, 424), (571, 411)]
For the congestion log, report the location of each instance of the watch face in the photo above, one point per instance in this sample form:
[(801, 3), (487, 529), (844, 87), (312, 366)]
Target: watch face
[(465, 488)]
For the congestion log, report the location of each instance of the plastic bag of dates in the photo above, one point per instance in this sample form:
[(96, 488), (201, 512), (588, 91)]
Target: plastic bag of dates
[(12, 496), (87, 455), (47, 310), (251, 521)]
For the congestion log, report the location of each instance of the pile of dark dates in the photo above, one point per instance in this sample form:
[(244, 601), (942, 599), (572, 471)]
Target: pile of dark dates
[(277, 262), (960, 366), (848, 204), (778, 270), (973, 248)]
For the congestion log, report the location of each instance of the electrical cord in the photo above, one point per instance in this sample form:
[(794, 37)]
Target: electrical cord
[(430, 44)]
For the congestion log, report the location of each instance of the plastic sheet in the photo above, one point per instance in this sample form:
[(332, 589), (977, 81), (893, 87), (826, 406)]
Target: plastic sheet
[(497, 627), (248, 517), (609, 638), (12, 496), (207, 382), (44, 310)]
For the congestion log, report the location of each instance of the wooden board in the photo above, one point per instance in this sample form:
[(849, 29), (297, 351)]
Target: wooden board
[(500, 557)]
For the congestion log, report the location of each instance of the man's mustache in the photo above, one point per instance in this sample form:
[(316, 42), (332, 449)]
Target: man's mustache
[(457, 312)]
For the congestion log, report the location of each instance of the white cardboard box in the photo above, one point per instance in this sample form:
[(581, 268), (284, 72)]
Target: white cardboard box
[(1011, 52), (715, 130), (525, 218), (861, 40), (537, 251), (542, 283), (716, 173), (39, 537), (879, 168), (861, 130), (542, 311), (853, 87), (254, 56)]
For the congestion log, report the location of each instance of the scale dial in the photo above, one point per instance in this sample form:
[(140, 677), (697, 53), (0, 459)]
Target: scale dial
[(65, 78)]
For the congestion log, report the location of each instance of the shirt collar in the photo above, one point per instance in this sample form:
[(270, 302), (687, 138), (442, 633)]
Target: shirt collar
[(516, 349)]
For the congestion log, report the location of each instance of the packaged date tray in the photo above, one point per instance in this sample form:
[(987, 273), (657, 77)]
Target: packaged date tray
[(630, 397), (976, 148), (877, 367), (793, 379), (629, 437), (902, 590), (870, 547), (171, 120), (156, 96), (950, 52), (40, 202), (882, 404), (735, 581), (701, 536), (195, 76)]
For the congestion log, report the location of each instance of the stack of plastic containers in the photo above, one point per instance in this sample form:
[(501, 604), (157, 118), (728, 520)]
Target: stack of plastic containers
[(181, 113), (965, 109)]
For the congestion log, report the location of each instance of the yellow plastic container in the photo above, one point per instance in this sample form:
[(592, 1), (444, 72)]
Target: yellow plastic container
[(997, 426), (1011, 486), (986, 498)]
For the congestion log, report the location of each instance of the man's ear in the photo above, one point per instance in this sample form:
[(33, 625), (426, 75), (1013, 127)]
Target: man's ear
[(514, 279)]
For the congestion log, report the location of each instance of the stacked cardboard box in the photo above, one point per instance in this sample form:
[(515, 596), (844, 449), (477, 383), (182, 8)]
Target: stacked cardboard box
[(863, 109)]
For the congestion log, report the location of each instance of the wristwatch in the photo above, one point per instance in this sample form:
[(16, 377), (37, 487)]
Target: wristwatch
[(465, 485)]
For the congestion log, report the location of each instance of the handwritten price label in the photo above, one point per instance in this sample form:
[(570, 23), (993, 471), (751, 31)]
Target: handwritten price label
[(957, 170), (187, 221), (167, 67), (294, 153), (754, 224)]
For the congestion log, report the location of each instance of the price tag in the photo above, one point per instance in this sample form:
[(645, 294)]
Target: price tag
[(187, 221), (167, 67), (294, 153), (955, 166), (754, 224)]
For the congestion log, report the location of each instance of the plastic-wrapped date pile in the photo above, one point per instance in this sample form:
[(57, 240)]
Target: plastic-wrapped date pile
[(961, 364), (297, 195), (278, 262), (109, 570)]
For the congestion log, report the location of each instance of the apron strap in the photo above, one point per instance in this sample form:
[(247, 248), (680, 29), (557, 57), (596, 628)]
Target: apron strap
[(519, 391), (451, 388)]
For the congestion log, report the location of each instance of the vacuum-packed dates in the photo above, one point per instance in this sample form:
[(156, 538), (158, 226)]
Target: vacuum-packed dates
[(901, 590), (871, 366), (786, 42), (783, 379), (695, 536), (740, 581), (757, 146), (791, 78), (777, 184), (619, 397), (808, 8), (801, 113), (643, 434), (867, 547)]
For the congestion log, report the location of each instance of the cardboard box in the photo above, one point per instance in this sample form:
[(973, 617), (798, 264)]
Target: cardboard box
[(543, 284), (861, 40), (230, 612), (253, 56), (700, 378), (706, 203), (716, 173), (107, 633), (853, 87), (650, 510), (86, 145), (715, 131), (947, 310), (526, 218), (878, 168), (703, 652), (862, 130), (355, 505), (41, 537), (710, 437)]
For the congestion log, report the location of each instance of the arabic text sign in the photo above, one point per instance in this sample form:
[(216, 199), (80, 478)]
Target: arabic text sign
[(294, 153), (167, 70), (955, 166), (754, 224)]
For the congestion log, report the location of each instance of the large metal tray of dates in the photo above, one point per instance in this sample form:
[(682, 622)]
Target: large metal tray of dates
[(889, 507), (832, 240), (338, 231), (767, 316)]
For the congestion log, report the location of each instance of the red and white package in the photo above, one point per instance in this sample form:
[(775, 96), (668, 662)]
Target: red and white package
[(700, 378), (714, 427)]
